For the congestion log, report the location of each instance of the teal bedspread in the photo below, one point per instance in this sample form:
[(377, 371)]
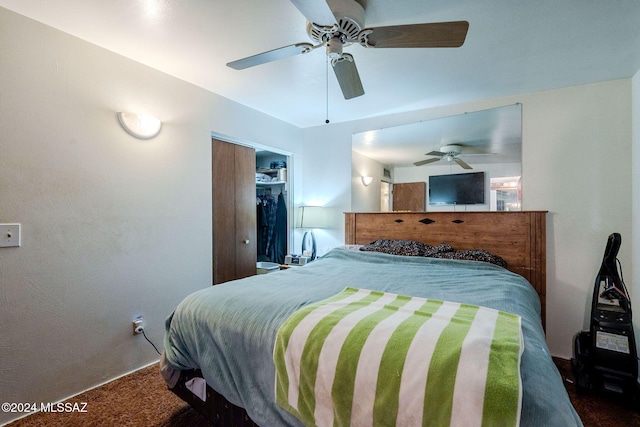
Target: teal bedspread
[(229, 330)]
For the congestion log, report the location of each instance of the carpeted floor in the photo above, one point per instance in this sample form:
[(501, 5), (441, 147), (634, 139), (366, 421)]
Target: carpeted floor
[(139, 399), (142, 399), (595, 410)]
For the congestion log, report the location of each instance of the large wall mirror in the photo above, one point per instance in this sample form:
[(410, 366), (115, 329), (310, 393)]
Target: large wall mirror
[(470, 161)]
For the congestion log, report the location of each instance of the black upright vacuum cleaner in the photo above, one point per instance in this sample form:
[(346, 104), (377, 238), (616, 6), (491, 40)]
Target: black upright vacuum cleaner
[(605, 357)]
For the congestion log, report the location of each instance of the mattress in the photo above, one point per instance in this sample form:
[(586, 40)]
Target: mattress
[(228, 331)]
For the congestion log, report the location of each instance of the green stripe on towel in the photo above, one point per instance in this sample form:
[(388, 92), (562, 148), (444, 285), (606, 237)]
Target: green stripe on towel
[(506, 350), (313, 348), (294, 320), (392, 365), (347, 363), (366, 358), (442, 369)]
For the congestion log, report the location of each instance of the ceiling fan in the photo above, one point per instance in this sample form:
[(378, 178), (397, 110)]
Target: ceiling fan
[(450, 153), (339, 23)]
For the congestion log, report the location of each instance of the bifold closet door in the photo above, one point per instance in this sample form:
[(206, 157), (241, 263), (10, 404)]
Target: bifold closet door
[(234, 211)]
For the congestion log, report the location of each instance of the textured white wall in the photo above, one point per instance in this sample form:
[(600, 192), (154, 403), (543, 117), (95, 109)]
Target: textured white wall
[(577, 165), (112, 227)]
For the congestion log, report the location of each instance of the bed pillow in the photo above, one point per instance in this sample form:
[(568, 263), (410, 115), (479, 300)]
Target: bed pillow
[(397, 247), (472, 255), (433, 251), (443, 250)]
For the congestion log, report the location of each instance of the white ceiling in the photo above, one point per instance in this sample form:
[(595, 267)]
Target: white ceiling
[(512, 47)]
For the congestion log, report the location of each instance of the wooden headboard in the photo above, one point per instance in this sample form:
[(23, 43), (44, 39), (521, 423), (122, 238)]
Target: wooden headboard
[(518, 237)]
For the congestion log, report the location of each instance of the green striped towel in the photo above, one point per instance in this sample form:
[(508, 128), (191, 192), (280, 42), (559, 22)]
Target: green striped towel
[(368, 358)]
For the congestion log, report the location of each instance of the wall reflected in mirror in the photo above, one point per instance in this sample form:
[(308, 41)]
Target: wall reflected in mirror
[(488, 141)]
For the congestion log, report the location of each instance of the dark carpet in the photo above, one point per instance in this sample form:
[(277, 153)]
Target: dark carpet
[(142, 399), (138, 399), (597, 410)]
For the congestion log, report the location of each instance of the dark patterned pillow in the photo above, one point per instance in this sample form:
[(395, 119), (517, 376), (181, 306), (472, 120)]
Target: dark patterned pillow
[(443, 250), (473, 255), (433, 251), (397, 247)]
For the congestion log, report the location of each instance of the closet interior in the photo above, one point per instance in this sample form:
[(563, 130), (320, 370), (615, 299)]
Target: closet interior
[(272, 208)]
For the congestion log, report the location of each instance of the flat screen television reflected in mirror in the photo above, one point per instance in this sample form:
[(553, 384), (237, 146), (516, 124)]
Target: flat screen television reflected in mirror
[(457, 189)]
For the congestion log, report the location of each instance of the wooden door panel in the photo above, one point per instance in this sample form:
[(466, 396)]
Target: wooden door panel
[(410, 196), (245, 211), (223, 211), (233, 211)]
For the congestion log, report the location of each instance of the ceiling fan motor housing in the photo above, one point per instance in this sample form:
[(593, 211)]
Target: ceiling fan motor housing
[(350, 18), (452, 150)]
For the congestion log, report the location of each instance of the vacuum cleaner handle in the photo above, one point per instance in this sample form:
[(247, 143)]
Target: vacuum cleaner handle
[(611, 251), (609, 270)]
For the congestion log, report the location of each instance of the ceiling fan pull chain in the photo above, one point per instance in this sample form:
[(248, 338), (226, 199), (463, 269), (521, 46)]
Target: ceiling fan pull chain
[(327, 89)]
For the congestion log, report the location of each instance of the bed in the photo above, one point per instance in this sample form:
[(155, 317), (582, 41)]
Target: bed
[(219, 342)]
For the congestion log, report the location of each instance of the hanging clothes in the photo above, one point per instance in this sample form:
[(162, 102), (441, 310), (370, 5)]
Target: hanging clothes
[(262, 223), (266, 207), (278, 243), (272, 208)]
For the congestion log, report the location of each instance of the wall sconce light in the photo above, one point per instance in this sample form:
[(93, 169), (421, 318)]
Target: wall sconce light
[(366, 180), (141, 126)]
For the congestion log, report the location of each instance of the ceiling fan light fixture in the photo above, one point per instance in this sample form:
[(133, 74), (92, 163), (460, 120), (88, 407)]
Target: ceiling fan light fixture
[(334, 48)]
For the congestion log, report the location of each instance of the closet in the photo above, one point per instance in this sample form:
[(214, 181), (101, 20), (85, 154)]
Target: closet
[(271, 206), (249, 209)]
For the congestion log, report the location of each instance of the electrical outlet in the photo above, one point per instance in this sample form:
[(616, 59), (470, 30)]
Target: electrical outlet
[(9, 235), (138, 326)]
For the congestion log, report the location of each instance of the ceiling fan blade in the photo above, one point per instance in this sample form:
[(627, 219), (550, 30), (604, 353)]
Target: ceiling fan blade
[(348, 77), (435, 153), (271, 55), (462, 163), (316, 12), (437, 34), (426, 162)]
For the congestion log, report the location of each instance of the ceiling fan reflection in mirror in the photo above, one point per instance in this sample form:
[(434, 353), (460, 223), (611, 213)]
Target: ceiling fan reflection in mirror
[(450, 153), (335, 24)]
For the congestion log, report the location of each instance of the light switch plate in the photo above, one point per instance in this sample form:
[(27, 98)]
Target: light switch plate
[(9, 235)]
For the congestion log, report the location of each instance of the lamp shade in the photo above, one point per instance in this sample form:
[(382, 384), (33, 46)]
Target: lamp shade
[(311, 217)]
